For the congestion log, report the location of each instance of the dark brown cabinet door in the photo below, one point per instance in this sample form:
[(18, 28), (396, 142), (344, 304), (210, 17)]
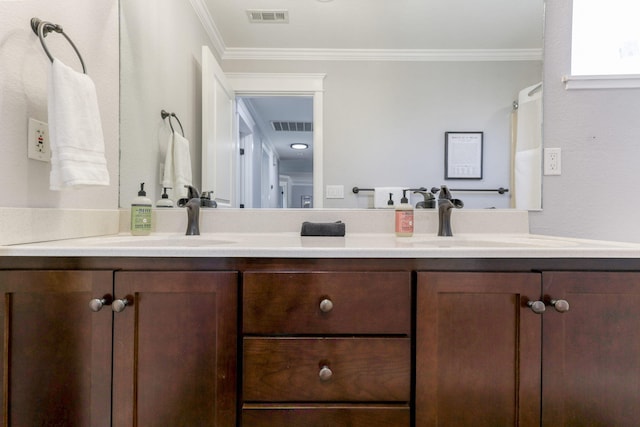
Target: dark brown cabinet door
[(478, 348), (175, 349), (56, 354), (591, 353)]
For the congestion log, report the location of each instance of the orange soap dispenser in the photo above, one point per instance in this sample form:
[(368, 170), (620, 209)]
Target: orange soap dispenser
[(404, 217)]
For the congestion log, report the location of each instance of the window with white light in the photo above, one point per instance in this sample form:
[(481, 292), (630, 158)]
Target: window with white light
[(605, 38)]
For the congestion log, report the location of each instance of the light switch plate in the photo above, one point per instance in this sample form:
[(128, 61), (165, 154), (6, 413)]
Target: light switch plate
[(38, 147), (335, 191)]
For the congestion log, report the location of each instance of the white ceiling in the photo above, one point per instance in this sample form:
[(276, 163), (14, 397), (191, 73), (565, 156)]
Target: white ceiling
[(381, 24)]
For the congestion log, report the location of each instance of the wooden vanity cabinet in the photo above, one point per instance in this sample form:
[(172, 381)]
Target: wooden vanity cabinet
[(485, 358), (168, 358), (326, 348), (175, 349), (478, 349), (319, 347), (56, 354), (591, 353)]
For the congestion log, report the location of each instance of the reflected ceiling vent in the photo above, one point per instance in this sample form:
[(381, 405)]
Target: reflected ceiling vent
[(264, 16), (292, 126)]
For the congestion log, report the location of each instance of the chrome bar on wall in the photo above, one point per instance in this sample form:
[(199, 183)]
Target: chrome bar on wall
[(42, 28), (434, 190)]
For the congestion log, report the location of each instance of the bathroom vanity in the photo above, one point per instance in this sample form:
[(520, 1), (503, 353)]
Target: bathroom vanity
[(365, 330)]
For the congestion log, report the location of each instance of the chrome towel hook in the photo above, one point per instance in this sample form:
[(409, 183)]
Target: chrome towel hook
[(42, 28)]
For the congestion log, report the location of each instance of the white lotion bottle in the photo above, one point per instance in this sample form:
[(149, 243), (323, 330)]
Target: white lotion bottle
[(141, 214), (404, 217)]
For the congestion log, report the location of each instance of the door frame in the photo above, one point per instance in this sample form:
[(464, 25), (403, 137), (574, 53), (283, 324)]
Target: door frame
[(285, 84)]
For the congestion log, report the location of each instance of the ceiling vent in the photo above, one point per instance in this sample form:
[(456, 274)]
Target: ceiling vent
[(292, 126), (268, 16)]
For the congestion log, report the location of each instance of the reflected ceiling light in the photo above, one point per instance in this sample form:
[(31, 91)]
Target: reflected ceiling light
[(299, 146)]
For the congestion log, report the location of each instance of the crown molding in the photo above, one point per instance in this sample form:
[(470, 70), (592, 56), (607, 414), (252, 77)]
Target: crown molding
[(209, 26), (280, 54), (298, 54)]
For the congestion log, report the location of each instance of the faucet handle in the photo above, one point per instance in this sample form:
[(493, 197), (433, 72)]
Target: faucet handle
[(192, 192)]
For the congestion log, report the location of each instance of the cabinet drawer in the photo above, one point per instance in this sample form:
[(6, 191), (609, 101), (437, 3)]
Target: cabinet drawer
[(360, 303), (325, 415), (355, 369)]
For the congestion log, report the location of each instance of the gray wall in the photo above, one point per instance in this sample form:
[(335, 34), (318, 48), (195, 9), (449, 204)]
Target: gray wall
[(160, 71), (93, 27), (597, 195), (384, 122)]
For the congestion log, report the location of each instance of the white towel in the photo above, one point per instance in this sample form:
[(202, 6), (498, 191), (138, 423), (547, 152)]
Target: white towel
[(528, 180), (528, 150), (75, 130), (381, 197), (177, 166)]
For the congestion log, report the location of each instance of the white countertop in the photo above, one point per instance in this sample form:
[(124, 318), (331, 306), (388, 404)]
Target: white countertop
[(275, 233), (355, 245)]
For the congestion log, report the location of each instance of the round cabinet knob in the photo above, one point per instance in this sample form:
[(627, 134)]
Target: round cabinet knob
[(561, 306), (537, 307), (325, 373), (326, 305), (96, 304), (120, 304)]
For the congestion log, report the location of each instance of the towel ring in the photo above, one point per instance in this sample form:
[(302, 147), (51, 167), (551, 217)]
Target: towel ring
[(42, 28), (165, 114)]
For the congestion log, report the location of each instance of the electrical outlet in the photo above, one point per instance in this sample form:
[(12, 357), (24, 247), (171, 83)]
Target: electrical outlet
[(552, 161), (38, 147), (335, 191)]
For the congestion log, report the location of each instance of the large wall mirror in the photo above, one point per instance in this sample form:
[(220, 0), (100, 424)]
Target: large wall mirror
[(397, 78)]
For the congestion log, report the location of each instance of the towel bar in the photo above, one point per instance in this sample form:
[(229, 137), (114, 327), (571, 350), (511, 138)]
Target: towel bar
[(500, 190), (164, 114), (434, 190), (42, 28)]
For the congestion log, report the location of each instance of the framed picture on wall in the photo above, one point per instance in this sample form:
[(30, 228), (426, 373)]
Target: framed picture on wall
[(463, 155)]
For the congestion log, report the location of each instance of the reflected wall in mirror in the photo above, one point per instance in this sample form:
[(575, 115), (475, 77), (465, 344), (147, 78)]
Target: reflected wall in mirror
[(395, 83)]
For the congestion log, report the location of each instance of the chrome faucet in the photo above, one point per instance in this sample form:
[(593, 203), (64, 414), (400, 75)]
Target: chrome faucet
[(192, 203), (445, 203)]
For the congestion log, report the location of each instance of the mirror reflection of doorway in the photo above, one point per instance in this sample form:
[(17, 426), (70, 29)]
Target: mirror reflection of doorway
[(276, 150)]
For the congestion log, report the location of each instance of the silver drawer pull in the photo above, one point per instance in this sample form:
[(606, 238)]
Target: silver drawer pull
[(96, 304), (561, 306), (326, 305), (120, 304), (325, 373), (537, 307)]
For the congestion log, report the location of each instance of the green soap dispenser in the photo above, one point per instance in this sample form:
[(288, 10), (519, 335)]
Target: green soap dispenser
[(141, 214)]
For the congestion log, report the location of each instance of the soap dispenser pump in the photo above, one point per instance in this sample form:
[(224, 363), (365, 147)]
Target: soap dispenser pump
[(404, 217), (390, 201), (165, 201), (141, 213)]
